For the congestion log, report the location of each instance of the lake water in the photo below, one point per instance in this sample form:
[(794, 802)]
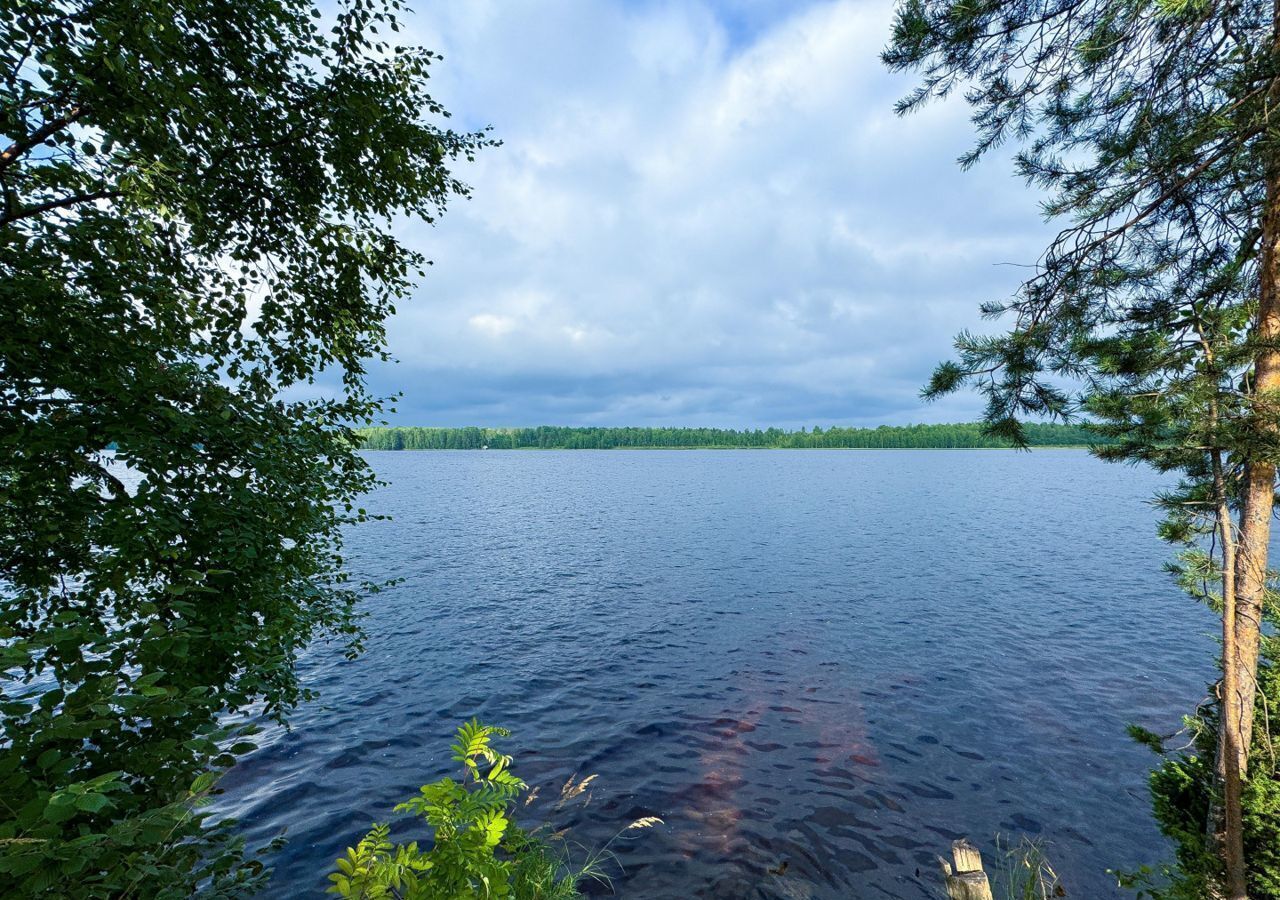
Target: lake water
[(836, 660)]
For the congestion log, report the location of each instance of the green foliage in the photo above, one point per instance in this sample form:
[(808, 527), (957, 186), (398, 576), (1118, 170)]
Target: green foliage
[(476, 850), (1163, 191), (376, 868), (1181, 791), (195, 199), (548, 437)]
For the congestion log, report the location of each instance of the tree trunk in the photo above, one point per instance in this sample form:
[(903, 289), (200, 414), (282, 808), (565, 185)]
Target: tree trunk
[(1242, 680), (1251, 578), (1226, 825)]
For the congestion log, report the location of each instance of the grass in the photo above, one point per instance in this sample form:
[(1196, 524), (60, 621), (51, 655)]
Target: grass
[(543, 872), (1022, 871)]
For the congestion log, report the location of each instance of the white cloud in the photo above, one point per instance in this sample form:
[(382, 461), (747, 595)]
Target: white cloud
[(492, 325), (701, 213)]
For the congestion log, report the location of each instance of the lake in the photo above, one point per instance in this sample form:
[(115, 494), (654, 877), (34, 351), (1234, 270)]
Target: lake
[(836, 660)]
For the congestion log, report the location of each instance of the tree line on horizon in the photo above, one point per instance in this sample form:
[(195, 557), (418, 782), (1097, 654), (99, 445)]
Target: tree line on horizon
[(965, 435)]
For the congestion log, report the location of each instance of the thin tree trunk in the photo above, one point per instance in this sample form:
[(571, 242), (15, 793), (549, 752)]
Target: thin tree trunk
[(1224, 827), (1231, 836)]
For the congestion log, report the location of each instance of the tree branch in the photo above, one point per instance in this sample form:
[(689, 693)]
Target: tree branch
[(60, 203), (15, 150)]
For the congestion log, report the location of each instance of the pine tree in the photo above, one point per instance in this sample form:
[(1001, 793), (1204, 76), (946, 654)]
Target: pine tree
[(1147, 122)]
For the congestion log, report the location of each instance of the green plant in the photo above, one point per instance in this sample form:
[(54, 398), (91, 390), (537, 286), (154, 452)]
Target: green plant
[(1182, 790), (476, 850)]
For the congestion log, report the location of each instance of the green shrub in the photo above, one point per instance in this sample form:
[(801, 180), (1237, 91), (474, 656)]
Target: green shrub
[(1182, 791), (475, 849)]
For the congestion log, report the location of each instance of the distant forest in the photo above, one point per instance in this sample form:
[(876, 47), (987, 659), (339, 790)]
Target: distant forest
[(550, 437)]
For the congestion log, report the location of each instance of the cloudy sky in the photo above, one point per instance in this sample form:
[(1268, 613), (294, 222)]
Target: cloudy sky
[(703, 213)]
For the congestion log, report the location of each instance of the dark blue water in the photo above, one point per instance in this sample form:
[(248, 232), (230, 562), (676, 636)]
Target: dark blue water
[(840, 660)]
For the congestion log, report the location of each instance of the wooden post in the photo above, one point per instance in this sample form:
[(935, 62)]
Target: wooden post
[(967, 881)]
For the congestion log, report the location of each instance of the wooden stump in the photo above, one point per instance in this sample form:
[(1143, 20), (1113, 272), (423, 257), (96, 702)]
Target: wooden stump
[(966, 881)]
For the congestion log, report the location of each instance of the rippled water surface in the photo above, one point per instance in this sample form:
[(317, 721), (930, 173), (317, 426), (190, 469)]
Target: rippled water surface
[(836, 660)]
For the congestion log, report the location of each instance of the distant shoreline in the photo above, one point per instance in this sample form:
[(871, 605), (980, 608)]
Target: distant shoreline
[(956, 436)]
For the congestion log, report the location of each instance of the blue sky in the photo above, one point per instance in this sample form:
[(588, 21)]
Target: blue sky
[(702, 214)]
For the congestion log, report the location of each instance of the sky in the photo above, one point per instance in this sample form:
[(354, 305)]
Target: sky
[(702, 214)]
